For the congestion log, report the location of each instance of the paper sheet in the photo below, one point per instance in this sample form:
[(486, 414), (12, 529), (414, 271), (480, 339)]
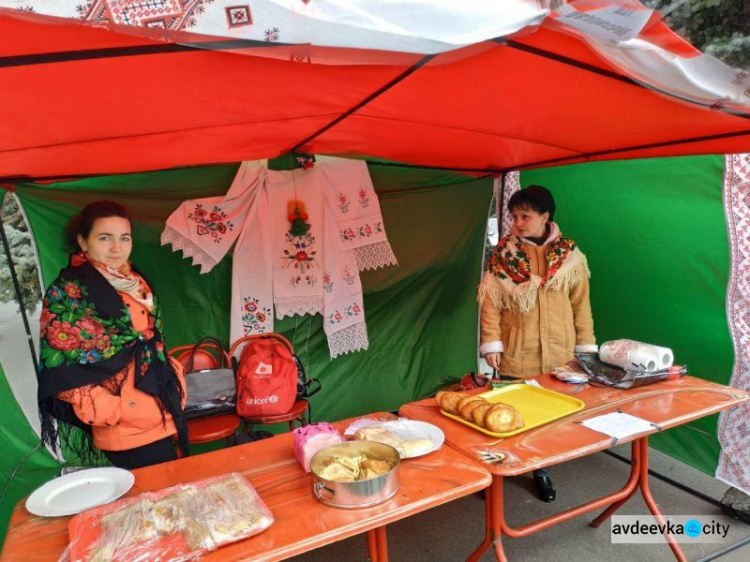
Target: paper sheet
[(619, 425)]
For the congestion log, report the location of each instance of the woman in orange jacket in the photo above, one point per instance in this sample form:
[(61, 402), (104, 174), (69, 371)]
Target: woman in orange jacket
[(103, 367)]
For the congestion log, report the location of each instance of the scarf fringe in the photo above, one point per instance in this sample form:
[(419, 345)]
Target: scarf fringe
[(573, 271), (189, 249), (67, 438), (520, 301), (522, 298)]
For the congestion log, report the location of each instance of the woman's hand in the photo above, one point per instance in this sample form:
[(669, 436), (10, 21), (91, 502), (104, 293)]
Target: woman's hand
[(493, 360)]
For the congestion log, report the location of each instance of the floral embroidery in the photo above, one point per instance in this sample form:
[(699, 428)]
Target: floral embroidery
[(364, 199), (364, 231), (73, 332), (348, 277), (254, 315), (343, 203), (338, 316), (327, 283), (310, 280), (300, 254), (509, 261), (212, 222)]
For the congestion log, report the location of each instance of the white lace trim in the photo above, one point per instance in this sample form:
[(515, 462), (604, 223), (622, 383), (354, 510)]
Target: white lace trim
[(350, 339), (189, 249), (374, 256), (298, 305)]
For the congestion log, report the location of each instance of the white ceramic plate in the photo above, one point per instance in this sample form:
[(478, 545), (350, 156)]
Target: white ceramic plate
[(412, 429), (77, 491)]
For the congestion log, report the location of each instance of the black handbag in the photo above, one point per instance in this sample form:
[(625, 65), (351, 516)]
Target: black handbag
[(210, 392), (305, 387)]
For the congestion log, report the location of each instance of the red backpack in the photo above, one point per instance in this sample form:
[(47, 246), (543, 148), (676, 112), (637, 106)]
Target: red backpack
[(266, 376)]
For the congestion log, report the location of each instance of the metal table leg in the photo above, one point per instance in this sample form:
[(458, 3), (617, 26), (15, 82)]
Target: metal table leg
[(382, 542), (372, 544), (651, 503), (496, 526)]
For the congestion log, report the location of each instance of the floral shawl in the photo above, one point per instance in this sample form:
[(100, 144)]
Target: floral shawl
[(510, 283), (87, 337)]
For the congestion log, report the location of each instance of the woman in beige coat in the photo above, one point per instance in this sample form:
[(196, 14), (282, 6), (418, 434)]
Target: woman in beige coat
[(534, 297)]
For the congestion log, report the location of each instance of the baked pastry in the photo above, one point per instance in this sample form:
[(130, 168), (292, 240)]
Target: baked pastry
[(377, 466), (449, 402), (417, 446), (380, 435), (465, 400), (478, 413), (501, 418), (439, 397), (341, 469), (470, 406)]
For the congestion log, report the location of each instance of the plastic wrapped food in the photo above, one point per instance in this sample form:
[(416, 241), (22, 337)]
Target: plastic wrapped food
[(310, 439), (177, 523)]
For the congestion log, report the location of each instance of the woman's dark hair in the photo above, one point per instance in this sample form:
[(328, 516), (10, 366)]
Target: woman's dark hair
[(534, 197), (83, 222)]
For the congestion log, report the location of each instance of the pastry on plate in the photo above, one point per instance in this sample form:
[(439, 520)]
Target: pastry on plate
[(417, 447)]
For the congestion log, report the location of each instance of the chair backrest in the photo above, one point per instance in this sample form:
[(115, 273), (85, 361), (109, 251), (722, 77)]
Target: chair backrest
[(206, 356)]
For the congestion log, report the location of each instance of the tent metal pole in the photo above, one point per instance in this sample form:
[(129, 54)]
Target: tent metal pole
[(136, 51), (583, 157), (501, 207), (19, 296)]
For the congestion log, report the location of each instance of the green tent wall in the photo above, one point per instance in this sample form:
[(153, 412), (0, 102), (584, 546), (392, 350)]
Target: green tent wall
[(421, 316), (653, 231), (656, 240)]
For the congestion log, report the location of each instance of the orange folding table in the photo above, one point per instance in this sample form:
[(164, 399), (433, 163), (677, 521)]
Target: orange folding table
[(665, 404), (301, 522)]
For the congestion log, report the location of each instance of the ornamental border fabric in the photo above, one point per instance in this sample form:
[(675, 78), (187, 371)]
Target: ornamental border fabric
[(508, 185), (734, 424)]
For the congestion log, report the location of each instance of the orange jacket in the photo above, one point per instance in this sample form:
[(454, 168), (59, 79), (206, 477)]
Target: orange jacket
[(131, 419)]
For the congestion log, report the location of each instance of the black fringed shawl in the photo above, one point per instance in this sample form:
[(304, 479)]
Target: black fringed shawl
[(87, 337)]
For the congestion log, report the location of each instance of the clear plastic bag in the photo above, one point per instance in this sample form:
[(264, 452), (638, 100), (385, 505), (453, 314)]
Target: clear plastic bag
[(177, 523)]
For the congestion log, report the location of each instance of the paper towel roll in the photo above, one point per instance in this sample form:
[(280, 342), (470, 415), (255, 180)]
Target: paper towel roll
[(629, 353)]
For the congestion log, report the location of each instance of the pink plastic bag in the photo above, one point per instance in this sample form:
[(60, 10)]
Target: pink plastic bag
[(310, 439)]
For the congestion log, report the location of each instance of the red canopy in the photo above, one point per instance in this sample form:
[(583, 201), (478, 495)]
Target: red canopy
[(78, 100)]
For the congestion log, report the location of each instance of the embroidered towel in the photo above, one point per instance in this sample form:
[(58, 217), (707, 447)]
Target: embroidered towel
[(303, 273), (356, 209), (297, 260), (252, 281), (205, 229), (344, 310)]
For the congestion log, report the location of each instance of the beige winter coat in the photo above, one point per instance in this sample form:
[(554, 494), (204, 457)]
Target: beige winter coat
[(559, 319)]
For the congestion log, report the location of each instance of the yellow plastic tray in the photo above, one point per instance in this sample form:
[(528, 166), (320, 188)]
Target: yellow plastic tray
[(537, 405)]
